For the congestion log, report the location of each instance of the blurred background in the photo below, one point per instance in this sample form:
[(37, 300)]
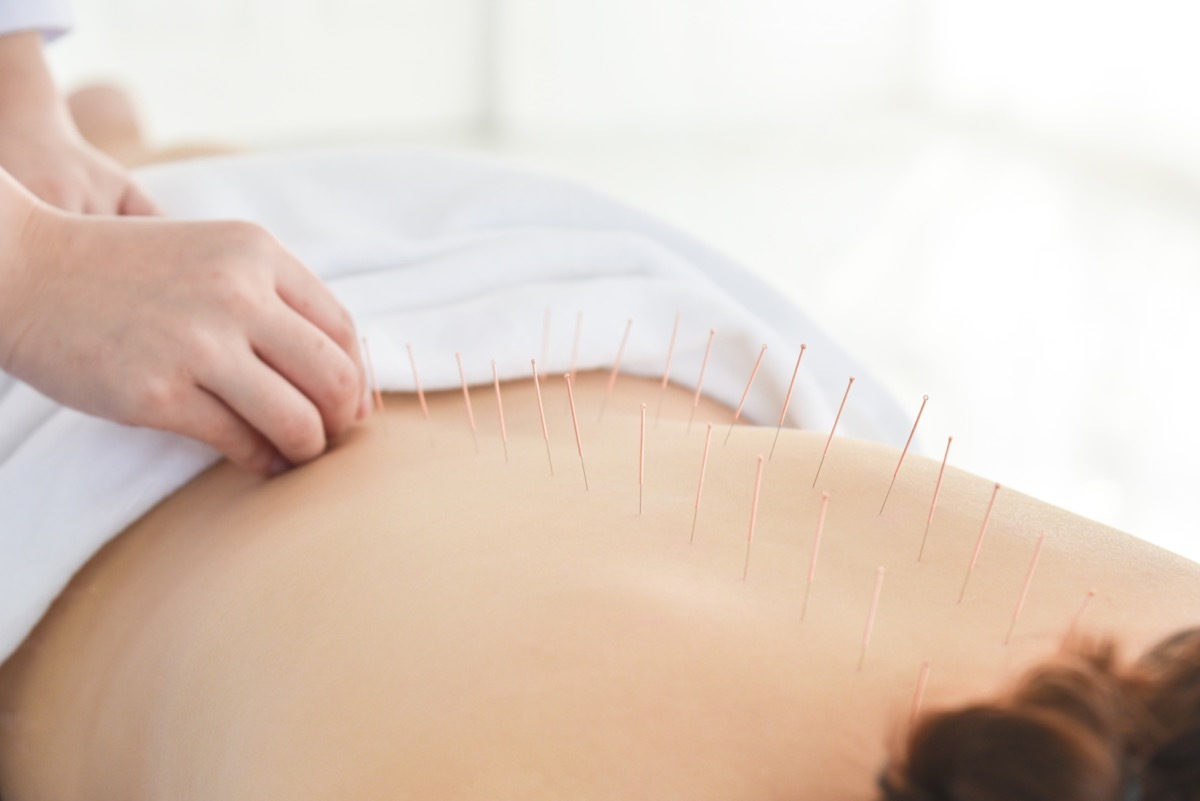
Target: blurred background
[(995, 204)]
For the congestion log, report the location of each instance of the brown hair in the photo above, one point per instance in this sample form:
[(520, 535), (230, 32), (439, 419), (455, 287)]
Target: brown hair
[(1081, 727)]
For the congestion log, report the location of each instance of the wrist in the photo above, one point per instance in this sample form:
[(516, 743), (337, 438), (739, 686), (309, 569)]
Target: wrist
[(20, 213)]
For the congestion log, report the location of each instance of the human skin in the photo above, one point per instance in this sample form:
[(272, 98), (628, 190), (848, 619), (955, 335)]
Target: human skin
[(106, 117), (41, 146), (407, 618), (210, 329)]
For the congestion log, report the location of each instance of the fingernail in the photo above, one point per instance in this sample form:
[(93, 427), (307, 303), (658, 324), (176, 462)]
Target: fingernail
[(364, 407), (278, 465)]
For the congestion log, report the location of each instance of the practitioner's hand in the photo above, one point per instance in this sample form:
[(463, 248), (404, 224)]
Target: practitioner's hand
[(41, 147), (55, 163), (208, 329)]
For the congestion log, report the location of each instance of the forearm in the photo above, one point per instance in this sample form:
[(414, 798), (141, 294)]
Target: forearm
[(29, 106)]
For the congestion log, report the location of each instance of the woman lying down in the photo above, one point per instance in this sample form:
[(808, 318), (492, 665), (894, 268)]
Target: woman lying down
[(535, 595)]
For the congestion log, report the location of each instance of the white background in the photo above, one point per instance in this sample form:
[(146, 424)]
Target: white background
[(995, 204)]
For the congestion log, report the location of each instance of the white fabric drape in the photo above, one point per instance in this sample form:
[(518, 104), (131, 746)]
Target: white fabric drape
[(448, 256)]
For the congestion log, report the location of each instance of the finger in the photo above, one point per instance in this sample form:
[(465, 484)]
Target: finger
[(311, 299), (103, 198), (135, 202), (314, 364), (60, 196), (207, 419), (270, 404), (96, 203)]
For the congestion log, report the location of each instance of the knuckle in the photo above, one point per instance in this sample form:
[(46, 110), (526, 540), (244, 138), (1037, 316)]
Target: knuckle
[(342, 330), (241, 294), (244, 280), (344, 381), (343, 389), (154, 402), (243, 450), (250, 238), (236, 442), (300, 435), (160, 393), (203, 353), (238, 245)]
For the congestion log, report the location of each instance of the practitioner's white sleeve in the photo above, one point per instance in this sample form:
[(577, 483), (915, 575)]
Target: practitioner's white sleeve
[(51, 17)]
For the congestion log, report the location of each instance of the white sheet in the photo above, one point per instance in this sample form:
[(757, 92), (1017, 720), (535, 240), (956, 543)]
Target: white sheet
[(448, 255)]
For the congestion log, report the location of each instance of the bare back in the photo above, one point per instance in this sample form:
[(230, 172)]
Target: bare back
[(407, 618)]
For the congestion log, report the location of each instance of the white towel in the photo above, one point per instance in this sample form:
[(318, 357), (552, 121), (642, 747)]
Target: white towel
[(448, 255)]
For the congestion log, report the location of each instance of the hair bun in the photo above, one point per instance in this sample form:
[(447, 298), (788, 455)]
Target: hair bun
[(1076, 728)]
